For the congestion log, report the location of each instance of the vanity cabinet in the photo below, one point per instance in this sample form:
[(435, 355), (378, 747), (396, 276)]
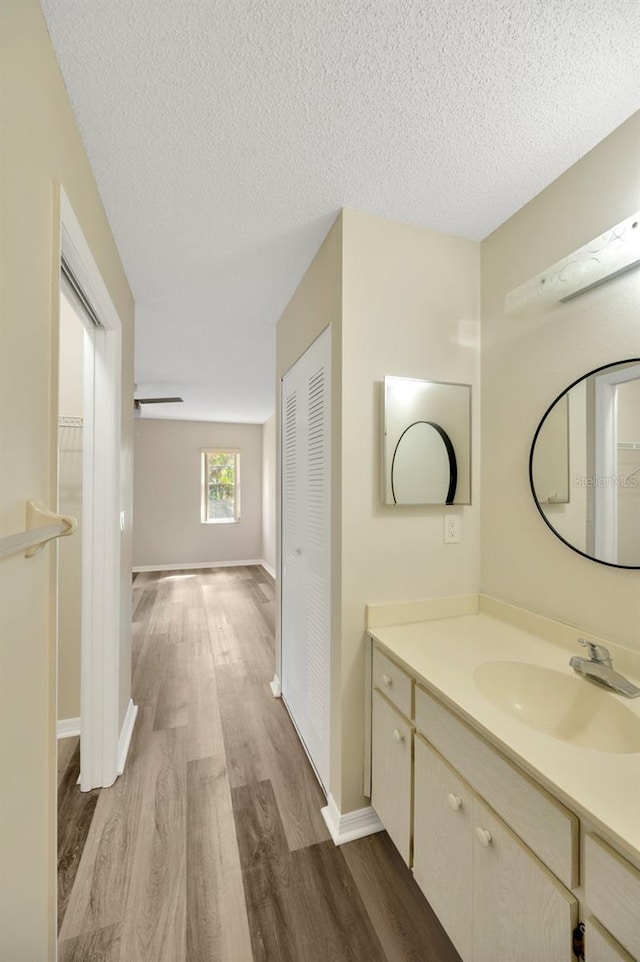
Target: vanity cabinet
[(497, 855), (493, 896)]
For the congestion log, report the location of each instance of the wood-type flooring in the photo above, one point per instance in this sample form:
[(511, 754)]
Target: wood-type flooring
[(211, 847)]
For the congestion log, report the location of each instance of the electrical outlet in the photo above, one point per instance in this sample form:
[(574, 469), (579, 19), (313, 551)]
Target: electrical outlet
[(452, 525)]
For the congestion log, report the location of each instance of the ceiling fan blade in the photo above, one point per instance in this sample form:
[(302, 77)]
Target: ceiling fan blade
[(158, 400)]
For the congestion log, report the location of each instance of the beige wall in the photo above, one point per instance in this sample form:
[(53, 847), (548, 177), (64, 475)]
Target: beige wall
[(70, 404), (40, 146), (167, 494), (269, 492), (528, 361), (402, 301), (410, 307)]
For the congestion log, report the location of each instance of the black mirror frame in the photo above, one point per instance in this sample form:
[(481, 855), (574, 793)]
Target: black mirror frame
[(596, 370), (451, 454)]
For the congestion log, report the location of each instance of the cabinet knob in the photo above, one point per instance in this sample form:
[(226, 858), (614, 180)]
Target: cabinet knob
[(484, 837), (455, 802), (398, 736), (386, 680)]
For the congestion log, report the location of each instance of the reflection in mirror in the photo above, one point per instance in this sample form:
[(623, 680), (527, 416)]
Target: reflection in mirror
[(551, 466), (590, 436), (427, 450)]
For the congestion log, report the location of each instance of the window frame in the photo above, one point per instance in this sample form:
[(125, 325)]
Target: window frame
[(204, 486)]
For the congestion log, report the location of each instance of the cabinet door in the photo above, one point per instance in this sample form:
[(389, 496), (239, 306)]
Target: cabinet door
[(391, 773), (521, 913), (442, 851)]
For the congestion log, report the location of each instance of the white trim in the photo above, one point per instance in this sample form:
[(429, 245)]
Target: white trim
[(125, 735), (270, 571), (276, 687), (183, 566), (101, 630), (353, 825), (68, 728)]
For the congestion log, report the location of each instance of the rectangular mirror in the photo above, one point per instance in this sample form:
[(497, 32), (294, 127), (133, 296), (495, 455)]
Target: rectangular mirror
[(427, 442)]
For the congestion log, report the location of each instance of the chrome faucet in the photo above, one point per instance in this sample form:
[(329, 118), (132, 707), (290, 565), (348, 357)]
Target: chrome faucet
[(598, 667)]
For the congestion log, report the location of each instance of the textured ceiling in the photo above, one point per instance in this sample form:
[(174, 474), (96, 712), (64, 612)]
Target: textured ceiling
[(225, 135)]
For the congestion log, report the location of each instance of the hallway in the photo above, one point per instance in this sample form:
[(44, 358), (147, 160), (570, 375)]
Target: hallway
[(211, 846)]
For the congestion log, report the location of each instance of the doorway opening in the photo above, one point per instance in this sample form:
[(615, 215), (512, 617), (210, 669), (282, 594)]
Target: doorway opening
[(82, 288)]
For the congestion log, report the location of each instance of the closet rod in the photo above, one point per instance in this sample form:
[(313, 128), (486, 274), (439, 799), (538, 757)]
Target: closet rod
[(38, 533)]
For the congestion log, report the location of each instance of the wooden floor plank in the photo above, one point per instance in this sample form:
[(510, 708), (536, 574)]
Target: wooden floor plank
[(155, 917), (405, 924), (101, 890), (143, 601), (329, 918), (204, 732), (103, 945), (266, 872), (66, 751), (217, 923), (267, 590), (75, 814), (173, 692)]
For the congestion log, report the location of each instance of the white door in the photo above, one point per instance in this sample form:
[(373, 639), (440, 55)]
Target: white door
[(306, 548)]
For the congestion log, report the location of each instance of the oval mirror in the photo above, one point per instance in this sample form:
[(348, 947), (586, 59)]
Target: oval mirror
[(584, 466), (423, 466)]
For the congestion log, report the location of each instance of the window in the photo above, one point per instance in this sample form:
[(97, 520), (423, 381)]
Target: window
[(220, 487)]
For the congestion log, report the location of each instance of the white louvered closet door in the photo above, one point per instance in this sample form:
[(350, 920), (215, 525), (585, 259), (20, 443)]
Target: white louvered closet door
[(306, 548)]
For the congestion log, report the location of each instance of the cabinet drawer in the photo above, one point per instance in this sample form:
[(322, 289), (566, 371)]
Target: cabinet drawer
[(391, 773), (612, 892), (546, 826), (393, 682), (600, 947)]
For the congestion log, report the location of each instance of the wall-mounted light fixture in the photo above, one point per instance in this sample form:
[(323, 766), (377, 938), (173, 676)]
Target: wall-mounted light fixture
[(613, 252)]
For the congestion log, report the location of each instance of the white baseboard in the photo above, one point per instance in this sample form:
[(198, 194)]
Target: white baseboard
[(271, 571), (68, 728), (276, 687), (125, 735), (182, 566), (353, 825)]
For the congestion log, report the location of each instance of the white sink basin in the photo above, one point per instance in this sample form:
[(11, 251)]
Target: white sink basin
[(563, 706)]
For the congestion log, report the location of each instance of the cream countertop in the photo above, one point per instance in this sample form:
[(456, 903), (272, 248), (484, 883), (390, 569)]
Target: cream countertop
[(601, 787)]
